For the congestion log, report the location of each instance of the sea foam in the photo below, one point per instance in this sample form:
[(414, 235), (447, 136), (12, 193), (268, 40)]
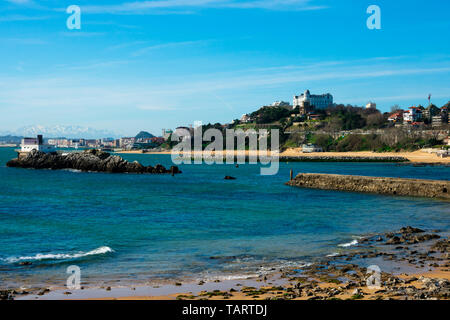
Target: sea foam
[(349, 244), (60, 256)]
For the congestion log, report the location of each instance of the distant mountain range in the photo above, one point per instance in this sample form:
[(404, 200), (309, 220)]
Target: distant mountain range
[(62, 131)]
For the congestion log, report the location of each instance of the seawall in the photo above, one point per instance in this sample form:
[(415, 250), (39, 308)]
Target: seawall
[(439, 189)]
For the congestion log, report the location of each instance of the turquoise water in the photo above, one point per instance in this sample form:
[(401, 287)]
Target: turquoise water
[(137, 228)]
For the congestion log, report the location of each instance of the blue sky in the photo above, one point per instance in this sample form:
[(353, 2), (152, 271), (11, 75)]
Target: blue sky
[(148, 65)]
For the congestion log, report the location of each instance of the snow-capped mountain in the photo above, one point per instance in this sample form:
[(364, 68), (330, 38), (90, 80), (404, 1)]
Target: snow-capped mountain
[(63, 131)]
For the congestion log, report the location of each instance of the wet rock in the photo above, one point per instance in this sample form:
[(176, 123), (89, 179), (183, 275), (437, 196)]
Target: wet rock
[(410, 229), (394, 240), (89, 160), (43, 291), (6, 295)]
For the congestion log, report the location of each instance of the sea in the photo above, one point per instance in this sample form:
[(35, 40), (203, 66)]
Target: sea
[(129, 229)]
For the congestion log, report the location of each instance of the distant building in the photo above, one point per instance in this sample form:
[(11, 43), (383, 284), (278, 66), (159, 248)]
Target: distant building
[(166, 134), (313, 117), (246, 118), (430, 112), (308, 148), (371, 105), (396, 117), (317, 101), (29, 144), (183, 133), (414, 114), (441, 118), (282, 104), (126, 142)]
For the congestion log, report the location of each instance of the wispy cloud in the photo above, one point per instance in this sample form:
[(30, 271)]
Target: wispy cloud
[(20, 2), (81, 34), (12, 18), (95, 65), (25, 41), (143, 51), (177, 6)]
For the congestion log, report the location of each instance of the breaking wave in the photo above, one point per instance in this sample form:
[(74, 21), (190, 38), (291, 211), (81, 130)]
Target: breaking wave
[(349, 244), (60, 256)]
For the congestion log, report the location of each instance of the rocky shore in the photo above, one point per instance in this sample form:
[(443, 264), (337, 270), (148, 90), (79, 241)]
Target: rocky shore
[(346, 276), (413, 265), (89, 160), (380, 185)]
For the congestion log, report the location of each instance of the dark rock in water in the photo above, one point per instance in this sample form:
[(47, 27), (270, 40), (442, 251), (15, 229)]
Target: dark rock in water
[(6, 295), (410, 229), (43, 291), (230, 178), (394, 240), (89, 160)]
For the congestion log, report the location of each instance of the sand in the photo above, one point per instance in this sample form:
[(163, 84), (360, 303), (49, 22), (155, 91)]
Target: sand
[(415, 157)]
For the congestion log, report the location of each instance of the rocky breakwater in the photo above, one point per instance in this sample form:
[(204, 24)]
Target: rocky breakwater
[(390, 186), (88, 160)]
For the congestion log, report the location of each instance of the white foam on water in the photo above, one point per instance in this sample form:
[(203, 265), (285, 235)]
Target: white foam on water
[(349, 244), (334, 254), (59, 256)]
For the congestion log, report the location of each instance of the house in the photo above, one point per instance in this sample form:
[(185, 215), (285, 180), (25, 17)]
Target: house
[(414, 114), (29, 144), (313, 117), (308, 148), (246, 118), (396, 117), (417, 124), (282, 104)]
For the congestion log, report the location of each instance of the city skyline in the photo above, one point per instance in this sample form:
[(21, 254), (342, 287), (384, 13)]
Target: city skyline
[(161, 64)]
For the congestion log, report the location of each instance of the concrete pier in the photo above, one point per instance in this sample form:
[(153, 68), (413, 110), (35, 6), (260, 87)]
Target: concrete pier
[(439, 189)]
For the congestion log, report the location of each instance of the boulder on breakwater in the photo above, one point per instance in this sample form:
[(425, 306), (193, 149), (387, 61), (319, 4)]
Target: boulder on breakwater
[(88, 160), (390, 186)]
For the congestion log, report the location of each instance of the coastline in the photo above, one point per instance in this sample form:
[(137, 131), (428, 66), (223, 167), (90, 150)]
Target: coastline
[(417, 157), (414, 264)]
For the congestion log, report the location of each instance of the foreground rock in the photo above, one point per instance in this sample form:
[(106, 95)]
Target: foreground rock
[(89, 160), (380, 185)]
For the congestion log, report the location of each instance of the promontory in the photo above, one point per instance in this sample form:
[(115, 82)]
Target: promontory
[(88, 160)]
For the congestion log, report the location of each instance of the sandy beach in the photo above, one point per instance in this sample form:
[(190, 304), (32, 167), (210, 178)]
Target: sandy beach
[(418, 156)]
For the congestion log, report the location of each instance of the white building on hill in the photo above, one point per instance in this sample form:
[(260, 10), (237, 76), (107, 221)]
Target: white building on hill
[(318, 101), (371, 105)]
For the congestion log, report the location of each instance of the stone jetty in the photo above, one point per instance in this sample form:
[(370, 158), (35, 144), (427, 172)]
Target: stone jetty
[(88, 160), (390, 186)]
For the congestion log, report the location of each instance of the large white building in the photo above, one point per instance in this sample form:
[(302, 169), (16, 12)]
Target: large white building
[(318, 101), (29, 144)]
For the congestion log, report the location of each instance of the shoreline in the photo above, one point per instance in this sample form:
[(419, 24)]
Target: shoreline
[(418, 157), (414, 263)]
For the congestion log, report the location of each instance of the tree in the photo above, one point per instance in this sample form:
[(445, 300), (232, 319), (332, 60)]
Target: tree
[(395, 108)]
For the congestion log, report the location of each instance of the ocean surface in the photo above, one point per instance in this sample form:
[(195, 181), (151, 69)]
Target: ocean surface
[(123, 229)]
